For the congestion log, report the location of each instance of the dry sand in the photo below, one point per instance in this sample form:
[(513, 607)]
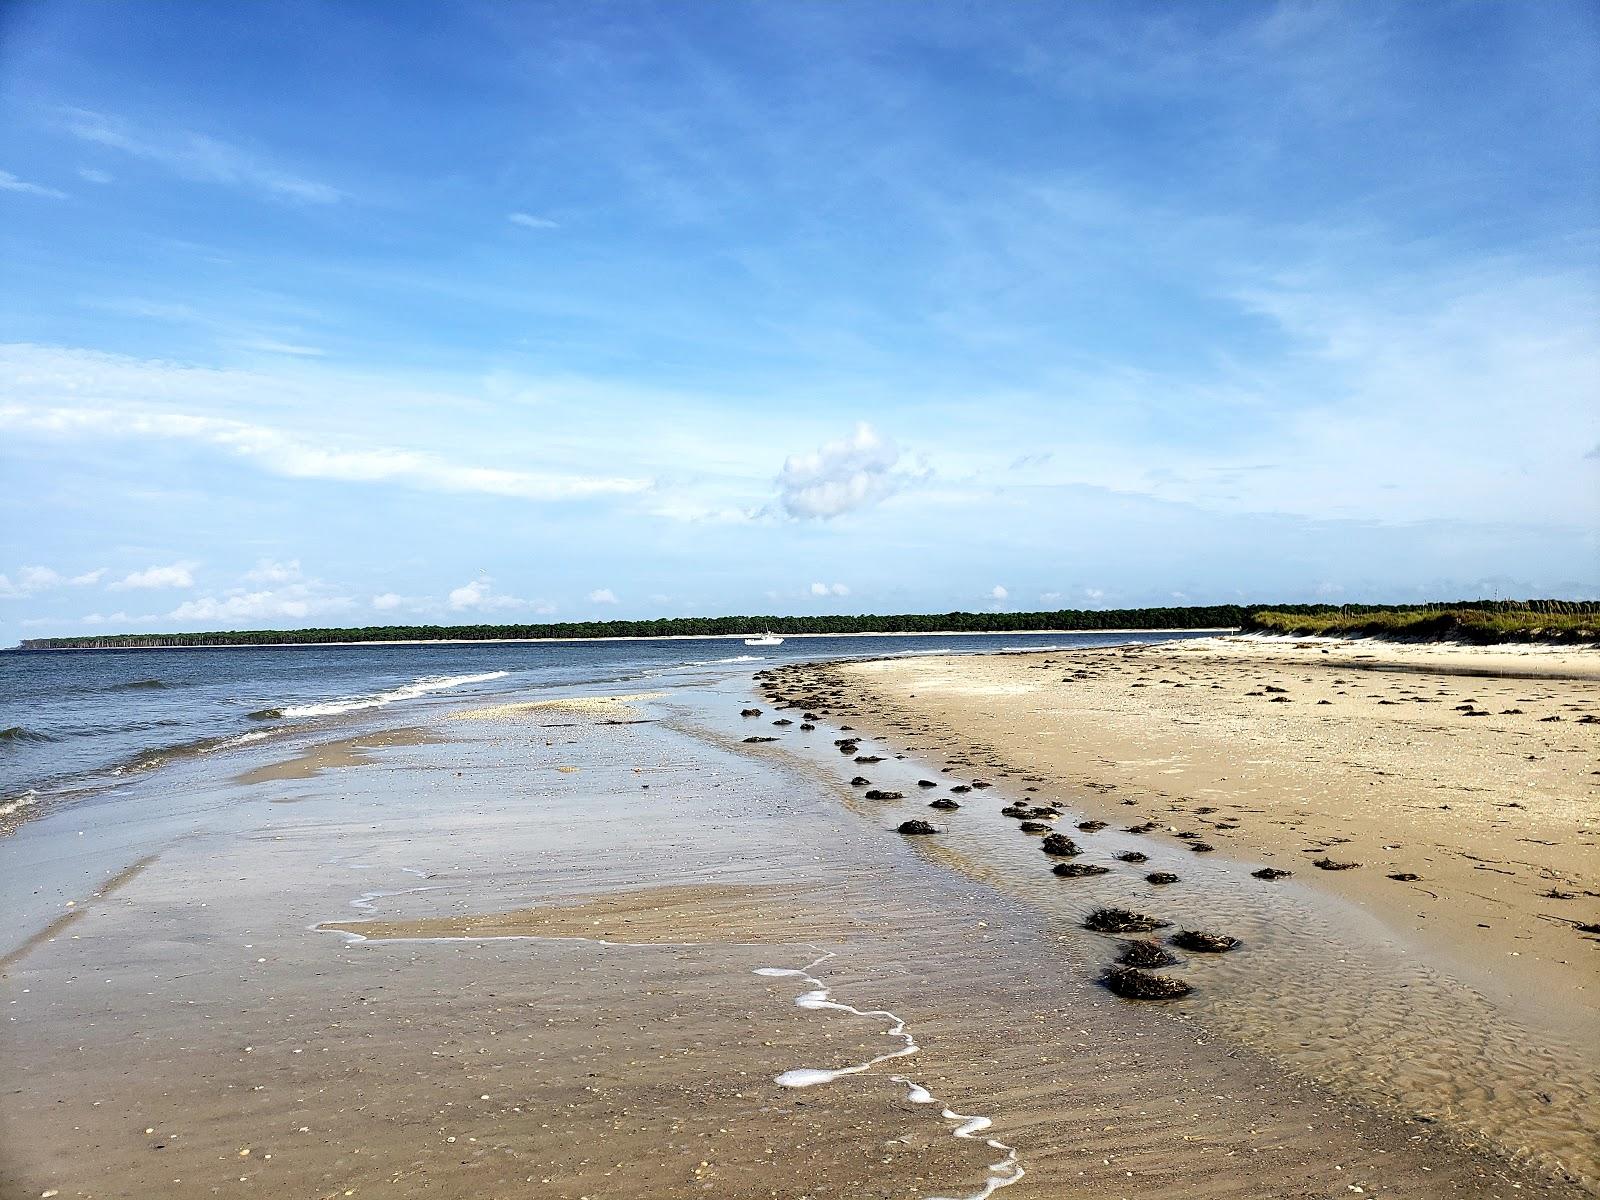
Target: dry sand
[(1443, 763)]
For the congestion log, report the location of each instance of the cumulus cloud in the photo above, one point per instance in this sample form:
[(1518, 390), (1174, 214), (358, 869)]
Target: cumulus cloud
[(839, 476), (37, 579), (602, 596), (174, 575), (295, 602), (387, 601), (10, 183), (286, 454), (829, 589), (998, 592), (529, 221), (480, 596)]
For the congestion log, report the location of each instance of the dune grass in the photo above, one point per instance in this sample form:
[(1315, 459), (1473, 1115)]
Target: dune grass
[(1479, 626)]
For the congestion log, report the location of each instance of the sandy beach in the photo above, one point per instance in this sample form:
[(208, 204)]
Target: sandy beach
[(641, 945)]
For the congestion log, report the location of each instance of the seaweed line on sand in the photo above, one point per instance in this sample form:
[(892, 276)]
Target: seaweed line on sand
[(1002, 1173)]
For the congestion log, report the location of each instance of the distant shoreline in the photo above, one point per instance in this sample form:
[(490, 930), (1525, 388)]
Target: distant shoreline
[(663, 637)]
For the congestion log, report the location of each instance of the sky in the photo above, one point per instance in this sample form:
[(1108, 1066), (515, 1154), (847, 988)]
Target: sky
[(345, 314)]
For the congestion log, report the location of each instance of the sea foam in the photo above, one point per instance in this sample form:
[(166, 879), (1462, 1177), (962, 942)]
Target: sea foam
[(411, 691)]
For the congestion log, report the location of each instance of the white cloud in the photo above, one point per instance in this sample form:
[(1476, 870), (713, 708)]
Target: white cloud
[(286, 454), (10, 183), (175, 575), (268, 571), (480, 596), (998, 592), (37, 579), (602, 596), (827, 589), (839, 476), (95, 175), (198, 158), (529, 221), (387, 601), (297, 602)]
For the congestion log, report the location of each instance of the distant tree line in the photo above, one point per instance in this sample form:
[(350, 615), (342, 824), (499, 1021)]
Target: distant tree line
[(1213, 616)]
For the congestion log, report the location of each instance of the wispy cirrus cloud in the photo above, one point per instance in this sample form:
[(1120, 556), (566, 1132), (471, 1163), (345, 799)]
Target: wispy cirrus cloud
[(531, 221), (198, 157), (282, 453), (11, 183)]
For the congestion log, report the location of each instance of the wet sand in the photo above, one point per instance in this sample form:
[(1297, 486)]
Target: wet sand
[(555, 952)]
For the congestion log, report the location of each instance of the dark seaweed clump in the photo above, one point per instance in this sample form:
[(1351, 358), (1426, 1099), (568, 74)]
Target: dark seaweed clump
[(1133, 856), (1161, 877), (1271, 873), (1134, 984), (1146, 954), (1060, 844), (1122, 920), (1072, 870), (915, 827), (1327, 864), (1204, 943)]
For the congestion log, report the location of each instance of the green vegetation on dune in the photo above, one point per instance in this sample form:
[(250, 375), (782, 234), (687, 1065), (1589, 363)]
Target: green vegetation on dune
[(1533, 621), (1471, 620)]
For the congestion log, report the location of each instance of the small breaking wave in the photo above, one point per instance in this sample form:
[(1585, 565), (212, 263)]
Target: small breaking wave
[(411, 691), (137, 685), (17, 736), (265, 714), (14, 803)]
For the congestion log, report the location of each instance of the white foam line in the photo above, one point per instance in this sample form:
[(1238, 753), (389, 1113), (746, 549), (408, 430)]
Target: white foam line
[(1002, 1174)]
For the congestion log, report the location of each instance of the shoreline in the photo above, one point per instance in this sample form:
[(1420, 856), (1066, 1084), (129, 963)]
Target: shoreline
[(667, 637)]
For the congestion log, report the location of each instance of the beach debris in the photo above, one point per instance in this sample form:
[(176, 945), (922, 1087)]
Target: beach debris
[(1146, 827), (1134, 984), (761, 739), (806, 727), (869, 758), (1133, 856), (875, 794), (910, 828), (783, 721), (1328, 864), (1201, 847), (961, 787), (944, 802), (1073, 870), (1060, 844), (1122, 920), (750, 712), (1161, 877), (978, 783), (1091, 826), (860, 781), (1271, 873), (1202, 942), (1145, 953), (1405, 876), (926, 783), (1035, 827)]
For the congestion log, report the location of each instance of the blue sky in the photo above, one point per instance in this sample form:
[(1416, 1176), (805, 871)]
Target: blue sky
[(344, 314)]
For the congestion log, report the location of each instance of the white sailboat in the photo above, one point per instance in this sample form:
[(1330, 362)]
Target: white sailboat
[(766, 639)]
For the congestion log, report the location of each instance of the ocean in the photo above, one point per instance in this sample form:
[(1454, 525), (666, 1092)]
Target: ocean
[(73, 723)]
